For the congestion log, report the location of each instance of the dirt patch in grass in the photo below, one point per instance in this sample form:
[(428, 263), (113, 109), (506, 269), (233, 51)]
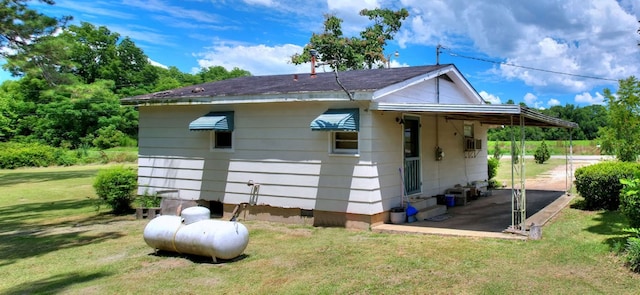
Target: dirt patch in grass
[(558, 178)]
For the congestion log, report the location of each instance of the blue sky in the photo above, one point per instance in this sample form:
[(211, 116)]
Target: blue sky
[(595, 38)]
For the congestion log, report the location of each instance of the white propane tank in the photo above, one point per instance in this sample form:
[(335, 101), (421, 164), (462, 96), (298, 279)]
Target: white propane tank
[(159, 232), (213, 238), (193, 214)]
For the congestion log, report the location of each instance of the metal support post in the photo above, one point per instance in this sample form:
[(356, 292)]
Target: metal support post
[(518, 190)]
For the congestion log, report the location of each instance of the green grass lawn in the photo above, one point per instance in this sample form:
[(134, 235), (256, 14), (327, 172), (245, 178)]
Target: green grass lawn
[(53, 241), (530, 171)]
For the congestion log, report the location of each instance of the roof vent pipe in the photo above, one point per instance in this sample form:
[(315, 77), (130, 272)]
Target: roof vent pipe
[(313, 53)]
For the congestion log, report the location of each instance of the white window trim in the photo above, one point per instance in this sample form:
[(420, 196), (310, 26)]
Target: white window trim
[(212, 143), (342, 152)]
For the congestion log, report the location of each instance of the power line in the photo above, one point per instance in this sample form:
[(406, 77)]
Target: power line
[(526, 67)]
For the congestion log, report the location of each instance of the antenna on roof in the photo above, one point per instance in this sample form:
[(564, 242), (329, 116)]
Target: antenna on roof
[(438, 50), (313, 53)]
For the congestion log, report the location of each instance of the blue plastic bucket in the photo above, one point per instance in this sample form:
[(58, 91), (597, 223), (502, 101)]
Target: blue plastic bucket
[(411, 210), (450, 200)]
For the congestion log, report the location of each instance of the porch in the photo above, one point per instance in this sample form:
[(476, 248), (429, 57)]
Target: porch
[(487, 216)]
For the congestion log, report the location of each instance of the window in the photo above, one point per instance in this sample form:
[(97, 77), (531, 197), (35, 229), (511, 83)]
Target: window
[(222, 140), (411, 137), (468, 130), (220, 127), (344, 142)]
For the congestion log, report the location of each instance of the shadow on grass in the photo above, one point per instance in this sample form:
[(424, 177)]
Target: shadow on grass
[(25, 216), (54, 284), (23, 235), (25, 211), (34, 243), (41, 176), (613, 224), (196, 258)]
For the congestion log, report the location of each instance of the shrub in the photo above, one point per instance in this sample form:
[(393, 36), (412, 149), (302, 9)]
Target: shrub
[(149, 200), (630, 200), (497, 152), (109, 137), (632, 254), (492, 171), (542, 153), (116, 187), (599, 184), (15, 155), (492, 164)]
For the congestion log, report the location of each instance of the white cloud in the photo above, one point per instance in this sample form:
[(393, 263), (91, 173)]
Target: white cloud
[(493, 99), (157, 64), (349, 12), (581, 37), (267, 3), (257, 59), (553, 102), (177, 12), (530, 99), (587, 98)]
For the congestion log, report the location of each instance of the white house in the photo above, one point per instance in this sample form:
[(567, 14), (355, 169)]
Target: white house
[(303, 148)]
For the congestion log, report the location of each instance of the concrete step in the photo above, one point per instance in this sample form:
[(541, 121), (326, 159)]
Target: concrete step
[(432, 211), (423, 202)]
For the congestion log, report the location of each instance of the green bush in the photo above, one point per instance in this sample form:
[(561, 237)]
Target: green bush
[(632, 254), (497, 151), (14, 155), (116, 187), (493, 164), (109, 137), (492, 171), (149, 200), (630, 200), (599, 184), (542, 153)]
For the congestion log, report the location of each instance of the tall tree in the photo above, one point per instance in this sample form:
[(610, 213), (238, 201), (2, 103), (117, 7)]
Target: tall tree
[(22, 35), (621, 136), (349, 53)]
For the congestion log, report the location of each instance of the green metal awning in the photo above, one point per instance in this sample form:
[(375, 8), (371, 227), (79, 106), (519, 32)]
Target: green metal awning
[(213, 121), (337, 120)]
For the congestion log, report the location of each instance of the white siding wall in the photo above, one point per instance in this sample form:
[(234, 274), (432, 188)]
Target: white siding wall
[(457, 166), (426, 93), (437, 176), (272, 146)]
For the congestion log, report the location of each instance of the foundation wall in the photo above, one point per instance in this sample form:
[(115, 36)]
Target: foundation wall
[(305, 217)]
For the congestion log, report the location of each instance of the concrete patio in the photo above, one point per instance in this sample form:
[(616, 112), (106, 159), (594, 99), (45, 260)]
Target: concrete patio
[(487, 216)]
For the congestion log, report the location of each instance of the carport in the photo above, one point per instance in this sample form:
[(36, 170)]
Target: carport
[(515, 116)]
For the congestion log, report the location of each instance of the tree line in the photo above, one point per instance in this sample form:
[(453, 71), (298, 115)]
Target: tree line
[(589, 119), (71, 80)]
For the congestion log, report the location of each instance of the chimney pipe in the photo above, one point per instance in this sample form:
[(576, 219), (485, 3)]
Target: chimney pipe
[(313, 53)]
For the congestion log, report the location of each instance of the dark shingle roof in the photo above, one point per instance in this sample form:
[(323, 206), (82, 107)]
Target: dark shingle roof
[(359, 80)]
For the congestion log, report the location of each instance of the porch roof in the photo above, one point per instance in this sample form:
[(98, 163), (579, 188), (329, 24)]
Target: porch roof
[(491, 114)]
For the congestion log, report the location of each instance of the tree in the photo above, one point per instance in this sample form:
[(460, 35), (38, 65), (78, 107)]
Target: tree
[(542, 153), (621, 136), (218, 73), (350, 53), (25, 35), (92, 107)]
